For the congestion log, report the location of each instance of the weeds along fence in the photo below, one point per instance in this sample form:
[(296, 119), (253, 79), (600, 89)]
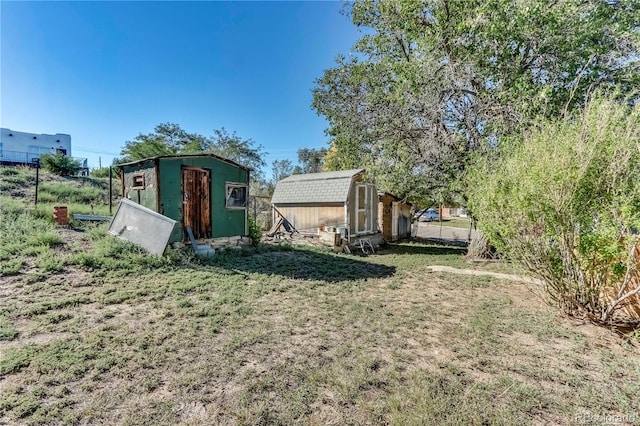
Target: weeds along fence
[(81, 194), (25, 158)]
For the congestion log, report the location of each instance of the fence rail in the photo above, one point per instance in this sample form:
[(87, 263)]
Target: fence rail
[(19, 157)]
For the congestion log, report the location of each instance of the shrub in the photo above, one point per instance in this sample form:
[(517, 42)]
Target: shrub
[(10, 207), (564, 201), (50, 262), (111, 253), (8, 171), (60, 164), (102, 172), (11, 267), (66, 192), (255, 233), (7, 331), (12, 178)]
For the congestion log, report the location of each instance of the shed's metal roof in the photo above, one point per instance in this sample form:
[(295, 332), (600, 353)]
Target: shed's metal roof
[(204, 154), (328, 187)]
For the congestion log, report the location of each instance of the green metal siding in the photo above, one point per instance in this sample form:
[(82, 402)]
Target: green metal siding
[(224, 222), (146, 196)]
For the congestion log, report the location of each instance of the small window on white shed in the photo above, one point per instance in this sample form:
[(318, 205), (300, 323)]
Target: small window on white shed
[(236, 195)]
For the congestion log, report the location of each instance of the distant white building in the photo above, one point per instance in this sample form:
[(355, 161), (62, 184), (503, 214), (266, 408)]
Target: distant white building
[(23, 148)]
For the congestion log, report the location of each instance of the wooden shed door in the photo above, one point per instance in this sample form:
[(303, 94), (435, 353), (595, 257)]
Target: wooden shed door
[(196, 201)]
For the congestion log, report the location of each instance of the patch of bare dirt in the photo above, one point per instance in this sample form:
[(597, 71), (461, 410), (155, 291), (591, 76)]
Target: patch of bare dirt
[(71, 236), (35, 339), (475, 272), (8, 285)]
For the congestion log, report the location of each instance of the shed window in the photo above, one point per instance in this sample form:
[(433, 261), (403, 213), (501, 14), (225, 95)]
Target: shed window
[(138, 181), (236, 196)]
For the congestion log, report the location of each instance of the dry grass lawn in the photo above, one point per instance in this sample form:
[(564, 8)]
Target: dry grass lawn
[(297, 336)]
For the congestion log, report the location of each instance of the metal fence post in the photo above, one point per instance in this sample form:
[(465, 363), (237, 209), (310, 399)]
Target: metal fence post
[(110, 191), (37, 163)]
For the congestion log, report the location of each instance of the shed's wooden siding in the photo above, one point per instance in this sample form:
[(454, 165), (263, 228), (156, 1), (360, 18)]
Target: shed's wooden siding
[(403, 223), (307, 218), (146, 196), (310, 217), (163, 191), (384, 215), (352, 204), (396, 225), (351, 209), (225, 222)]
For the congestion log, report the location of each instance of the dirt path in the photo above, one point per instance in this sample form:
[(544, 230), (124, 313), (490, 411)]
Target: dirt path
[(511, 277)]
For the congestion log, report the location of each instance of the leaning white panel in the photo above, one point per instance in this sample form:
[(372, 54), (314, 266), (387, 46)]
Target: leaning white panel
[(142, 226)]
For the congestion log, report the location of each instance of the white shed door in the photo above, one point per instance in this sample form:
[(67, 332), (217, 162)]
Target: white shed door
[(366, 208)]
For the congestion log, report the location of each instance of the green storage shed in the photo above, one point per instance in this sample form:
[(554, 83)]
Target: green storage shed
[(205, 192)]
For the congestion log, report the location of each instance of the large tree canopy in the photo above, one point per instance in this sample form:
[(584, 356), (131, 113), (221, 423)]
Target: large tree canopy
[(433, 81), (311, 160), (170, 139), (280, 169)]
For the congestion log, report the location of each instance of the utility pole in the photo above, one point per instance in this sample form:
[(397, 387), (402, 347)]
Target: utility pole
[(110, 190)]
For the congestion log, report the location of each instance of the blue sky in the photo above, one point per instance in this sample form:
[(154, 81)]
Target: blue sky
[(104, 72)]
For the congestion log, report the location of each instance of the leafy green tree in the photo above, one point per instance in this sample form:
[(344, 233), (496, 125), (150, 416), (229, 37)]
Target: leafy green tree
[(235, 148), (171, 139), (311, 159), (166, 139), (563, 200), (432, 82), (102, 172), (281, 169), (60, 164), (255, 232)]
